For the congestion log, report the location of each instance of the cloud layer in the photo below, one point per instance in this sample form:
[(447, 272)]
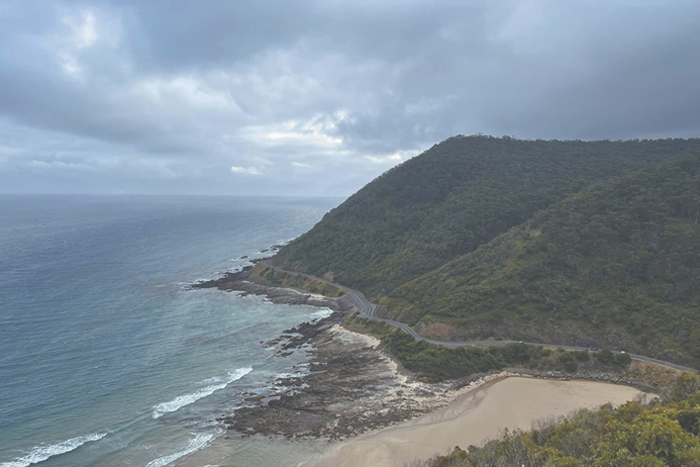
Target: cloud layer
[(319, 97)]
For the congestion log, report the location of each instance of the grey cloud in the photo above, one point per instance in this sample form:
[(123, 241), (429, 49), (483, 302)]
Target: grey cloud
[(169, 95), (213, 33)]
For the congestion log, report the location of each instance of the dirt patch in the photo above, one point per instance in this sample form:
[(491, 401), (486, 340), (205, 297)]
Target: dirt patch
[(660, 376)]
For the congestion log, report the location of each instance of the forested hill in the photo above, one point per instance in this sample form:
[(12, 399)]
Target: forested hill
[(617, 264), (451, 199)]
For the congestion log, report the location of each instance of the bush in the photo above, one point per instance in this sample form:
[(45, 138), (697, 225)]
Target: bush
[(633, 435), (623, 359), (606, 357), (567, 362)]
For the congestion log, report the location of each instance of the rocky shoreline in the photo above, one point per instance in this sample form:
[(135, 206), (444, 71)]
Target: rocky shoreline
[(353, 385), (241, 282)]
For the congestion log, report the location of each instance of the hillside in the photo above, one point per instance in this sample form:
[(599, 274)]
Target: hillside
[(451, 199), (617, 264)]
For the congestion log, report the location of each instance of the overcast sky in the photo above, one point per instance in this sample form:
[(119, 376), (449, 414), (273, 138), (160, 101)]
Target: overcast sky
[(319, 97)]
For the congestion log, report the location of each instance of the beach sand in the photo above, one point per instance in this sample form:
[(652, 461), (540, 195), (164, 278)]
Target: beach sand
[(476, 416)]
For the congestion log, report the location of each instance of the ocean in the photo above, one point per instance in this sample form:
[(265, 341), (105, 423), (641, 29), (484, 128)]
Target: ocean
[(106, 358)]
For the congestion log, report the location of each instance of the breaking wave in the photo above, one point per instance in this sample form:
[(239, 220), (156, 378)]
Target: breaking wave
[(321, 314), (195, 444), (187, 399), (41, 453)]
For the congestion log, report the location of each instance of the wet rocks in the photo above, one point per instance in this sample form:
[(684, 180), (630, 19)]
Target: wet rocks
[(352, 387)]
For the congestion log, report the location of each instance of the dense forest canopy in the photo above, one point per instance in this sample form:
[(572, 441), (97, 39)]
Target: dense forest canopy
[(616, 264), (446, 202), (427, 237)]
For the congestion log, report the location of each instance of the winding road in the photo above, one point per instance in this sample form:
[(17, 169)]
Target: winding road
[(366, 310)]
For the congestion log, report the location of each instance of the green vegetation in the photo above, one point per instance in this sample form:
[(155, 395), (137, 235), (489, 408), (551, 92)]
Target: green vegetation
[(436, 363), (378, 329), (571, 242), (655, 434), (264, 273), (617, 264), (453, 198)]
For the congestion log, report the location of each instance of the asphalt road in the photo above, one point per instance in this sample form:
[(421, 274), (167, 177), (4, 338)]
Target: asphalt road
[(366, 310)]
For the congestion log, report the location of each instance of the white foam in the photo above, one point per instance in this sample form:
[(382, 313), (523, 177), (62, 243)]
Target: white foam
[(195, 444), (288, 375), (321, 314), (181, 401), (41, 453), (212, 380)]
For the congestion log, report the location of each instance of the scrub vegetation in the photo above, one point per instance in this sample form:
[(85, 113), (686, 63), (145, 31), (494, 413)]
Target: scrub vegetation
[(565, 242), (659, 433), (435, 363), (617, 264)]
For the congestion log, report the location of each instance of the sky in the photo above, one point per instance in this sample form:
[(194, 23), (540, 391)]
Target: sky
[(317, 98)]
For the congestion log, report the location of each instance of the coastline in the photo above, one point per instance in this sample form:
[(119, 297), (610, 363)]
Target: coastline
[(353, 385), (354, 389), (241, 282), (474, 417)]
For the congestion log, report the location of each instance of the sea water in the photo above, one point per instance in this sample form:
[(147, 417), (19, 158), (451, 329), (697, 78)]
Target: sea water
[(106, 358)]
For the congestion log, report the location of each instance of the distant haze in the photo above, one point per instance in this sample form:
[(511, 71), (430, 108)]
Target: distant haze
[(319, 97)]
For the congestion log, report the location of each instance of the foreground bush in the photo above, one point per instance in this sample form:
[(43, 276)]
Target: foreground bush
[(636, 434)]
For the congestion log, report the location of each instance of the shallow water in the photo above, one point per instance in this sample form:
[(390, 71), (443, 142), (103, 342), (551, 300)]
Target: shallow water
[(105, 357)]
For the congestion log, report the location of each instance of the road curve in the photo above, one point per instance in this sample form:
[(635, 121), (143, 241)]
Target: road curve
[(366, 310)]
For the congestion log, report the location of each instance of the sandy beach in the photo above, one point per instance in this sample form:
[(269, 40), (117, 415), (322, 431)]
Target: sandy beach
[(476, 416)]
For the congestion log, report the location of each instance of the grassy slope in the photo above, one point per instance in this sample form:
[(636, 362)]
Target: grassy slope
[(456, 196), (617, 264)]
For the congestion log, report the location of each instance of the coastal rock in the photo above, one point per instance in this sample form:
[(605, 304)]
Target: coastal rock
[(241, 282), (353, 387)]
